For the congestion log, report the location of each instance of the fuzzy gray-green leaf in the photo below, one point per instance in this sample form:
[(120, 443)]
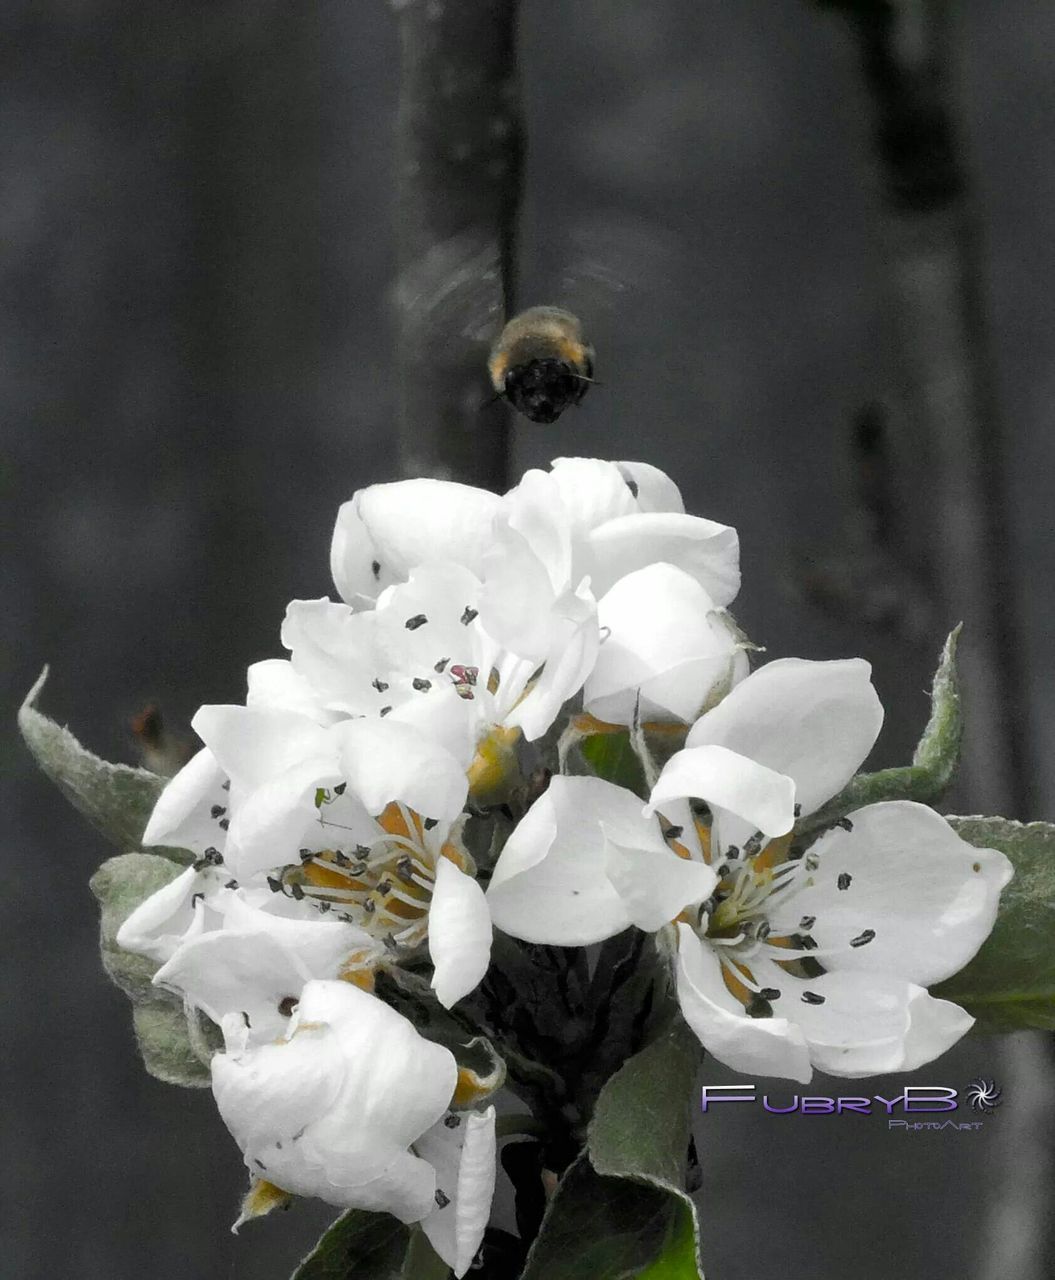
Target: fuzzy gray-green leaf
[(116, 798), (1010, 984), (160, 1023)]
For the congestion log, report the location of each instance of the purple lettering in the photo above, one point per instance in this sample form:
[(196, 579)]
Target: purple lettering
[(919, 1096), (781, 1111), (720, 1093), (889, 1103), (863, 1106), (818, 1106)]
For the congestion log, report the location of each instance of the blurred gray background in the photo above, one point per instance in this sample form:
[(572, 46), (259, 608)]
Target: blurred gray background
[(195, 370)]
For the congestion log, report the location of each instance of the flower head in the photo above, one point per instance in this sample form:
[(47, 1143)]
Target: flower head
[(351, 1105), (787, 959)]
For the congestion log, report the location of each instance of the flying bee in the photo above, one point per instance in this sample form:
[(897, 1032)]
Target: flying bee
[(465, 679), (541, 363)]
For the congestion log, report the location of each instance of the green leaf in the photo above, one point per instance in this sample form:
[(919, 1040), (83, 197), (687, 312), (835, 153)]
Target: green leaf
[(359, 1246), (611, 757), (116, 798), (599, 1228), (422, 1262), (621, 1209), (933, 764), (1010, 984), (158, 1018)]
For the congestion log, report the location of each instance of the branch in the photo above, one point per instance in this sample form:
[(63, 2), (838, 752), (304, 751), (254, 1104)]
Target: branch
[(459, 177)]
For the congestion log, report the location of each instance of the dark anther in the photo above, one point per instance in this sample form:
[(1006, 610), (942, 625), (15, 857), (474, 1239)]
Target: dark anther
[(384, 887), (369, 906), (274, 885), (845, 823), (863, 939), (844, 879), (452, 1122), (468, 615), (429, 823), (418, 620), (384, 711), (340, 788), (286, 1006), (379, 684), (405, 870), (198, 897), (798, 811), (442, 1200), (441, 666), (422, 686), (758, 1007), (673, 833), (224, 823), (769, 993), (217, 811), (340, 858), (306, 855), (807, 922), (631, 484), (811, 997), (375, 568), (231, 884), (296, 891)]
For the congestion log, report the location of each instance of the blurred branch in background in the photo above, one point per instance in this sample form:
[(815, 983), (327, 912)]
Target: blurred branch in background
[(459, 177), (946, 453)]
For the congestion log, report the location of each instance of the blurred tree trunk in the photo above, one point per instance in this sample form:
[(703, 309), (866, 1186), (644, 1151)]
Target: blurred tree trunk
[(458, 178)]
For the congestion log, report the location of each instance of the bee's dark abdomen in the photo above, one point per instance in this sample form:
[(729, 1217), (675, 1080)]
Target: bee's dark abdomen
[(542, 389)]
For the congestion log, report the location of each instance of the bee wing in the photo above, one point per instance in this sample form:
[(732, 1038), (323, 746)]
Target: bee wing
[(607, 265), (455, 288)]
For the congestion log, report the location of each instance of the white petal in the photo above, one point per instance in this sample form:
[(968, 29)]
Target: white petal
[(462, 1149), (655, 884), (274, 683), (754, 1046), (708, 551), (814, 721), (459, 933), (656, 491), (388, 529), (860, 1027), (270, 823), (664, 642), (549, 884), (253, 744), (333, 650), (384, 761), (225, 972), (184, 817), (433, 602), (575, 641), (592, 491), (929, 898), (160, 922), (936, 1025), (731, 784)]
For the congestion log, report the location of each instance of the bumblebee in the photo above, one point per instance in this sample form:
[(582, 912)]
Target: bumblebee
[(541, 363)]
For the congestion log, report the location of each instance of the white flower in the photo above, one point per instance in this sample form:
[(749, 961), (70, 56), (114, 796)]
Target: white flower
[(424, 656), (351, 1105), (360, 819), (585, 518), (783, 963)]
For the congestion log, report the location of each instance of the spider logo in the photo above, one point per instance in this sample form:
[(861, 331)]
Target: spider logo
[(983, 1095)]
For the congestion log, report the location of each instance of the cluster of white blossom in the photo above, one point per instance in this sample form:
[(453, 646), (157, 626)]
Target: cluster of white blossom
[(327, 816)]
